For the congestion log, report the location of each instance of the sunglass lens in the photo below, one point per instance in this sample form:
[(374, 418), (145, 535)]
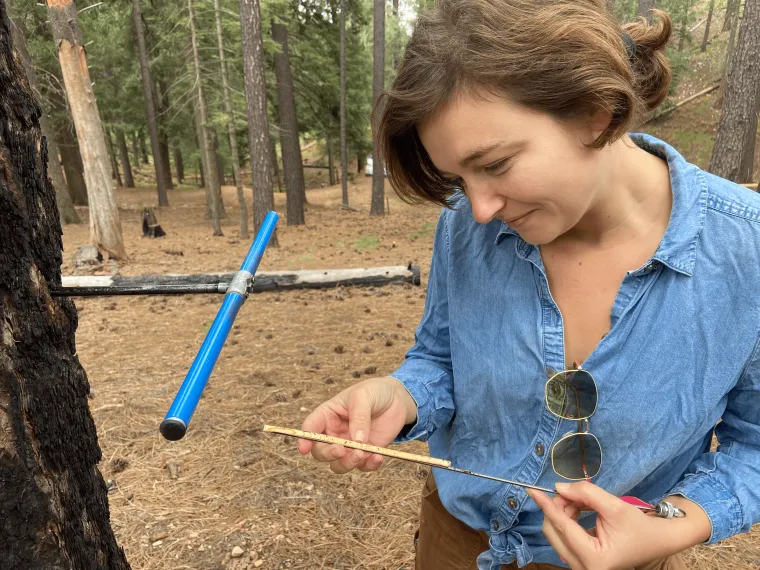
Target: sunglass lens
[(571, 394), (577, 457)]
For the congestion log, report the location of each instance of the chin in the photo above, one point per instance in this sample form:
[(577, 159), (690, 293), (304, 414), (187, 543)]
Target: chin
[(537, 238)]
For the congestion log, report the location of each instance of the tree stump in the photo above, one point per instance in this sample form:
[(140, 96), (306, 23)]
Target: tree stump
[(150, 225)]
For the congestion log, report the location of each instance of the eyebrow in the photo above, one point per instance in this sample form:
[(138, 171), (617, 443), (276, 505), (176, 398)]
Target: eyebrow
[(479, 153)]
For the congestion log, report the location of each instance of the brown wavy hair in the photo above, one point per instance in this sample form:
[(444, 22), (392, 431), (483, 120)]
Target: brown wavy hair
[(566, 58)]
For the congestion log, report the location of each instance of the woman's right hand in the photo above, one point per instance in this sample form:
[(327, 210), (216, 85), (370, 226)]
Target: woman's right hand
[(373, 411)]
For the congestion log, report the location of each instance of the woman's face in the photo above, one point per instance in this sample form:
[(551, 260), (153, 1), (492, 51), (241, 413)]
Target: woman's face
[(517, 165)]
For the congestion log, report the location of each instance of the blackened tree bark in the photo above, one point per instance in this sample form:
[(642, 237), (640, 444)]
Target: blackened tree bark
[(290, 143), (66, 209), (71, 161), (231, 125), (129, 181), (733, 153), (150, 103), (330, 161), (258, 120), (105, 225), (275, 162), (343, 142), (378, 84), (54, 511)]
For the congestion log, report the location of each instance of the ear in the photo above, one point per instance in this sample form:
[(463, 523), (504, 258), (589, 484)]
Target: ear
[(598, 123)]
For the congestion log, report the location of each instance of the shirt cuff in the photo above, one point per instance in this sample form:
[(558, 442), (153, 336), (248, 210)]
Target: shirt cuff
[(719, 503), (432, 412)]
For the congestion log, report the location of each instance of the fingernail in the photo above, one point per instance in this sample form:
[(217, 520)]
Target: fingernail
[(562, 487), (359, 436), (563, 560)]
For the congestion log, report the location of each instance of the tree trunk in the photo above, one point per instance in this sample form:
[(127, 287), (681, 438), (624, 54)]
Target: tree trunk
[(129, 181), (143, 149), (733, 153), (258, 120), (729, 58), (162, 104), (112, 157), (231, 126), (378, 84), (66, 209), (150, 104), (71, 161), (205, 140), (179, 165), (53, 503), (330, 161), (275, 162), (683, 33), (136, 149), (200, 172), (706, 37), (732, 8), (290, 144), (105, 226), (359, 163), (643, 8), (343, 142)]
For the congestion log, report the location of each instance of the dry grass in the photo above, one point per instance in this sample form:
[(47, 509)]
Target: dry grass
[(187, 504)]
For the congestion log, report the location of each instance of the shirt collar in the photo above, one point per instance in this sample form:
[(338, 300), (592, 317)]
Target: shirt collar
[(677, 249)]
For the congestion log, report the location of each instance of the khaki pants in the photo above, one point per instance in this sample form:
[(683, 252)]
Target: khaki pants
[(443, 542)]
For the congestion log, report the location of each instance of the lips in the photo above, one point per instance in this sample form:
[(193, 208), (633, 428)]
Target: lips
[(518, 218)]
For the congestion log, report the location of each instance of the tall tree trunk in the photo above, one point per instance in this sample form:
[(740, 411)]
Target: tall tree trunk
[(162, 104), (54, 510), (734, 148), (359, 163), (114, 163), (330, 161), (129, 181), (205, 139), (200, 172), (729, 57), (136, 149), (275, 162), (143, 149), (258, 120), (202, 155), (706, 37), (732, 8), (378, 84), (150, 103), (105, 226), (683, 33), (290, 143), (71, 161), (179, 165), (343, 142), (643, 8), (66, 209), (231, 126)]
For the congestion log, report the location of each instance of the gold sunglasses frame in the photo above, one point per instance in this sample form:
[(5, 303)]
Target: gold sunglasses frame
[(581, 432)]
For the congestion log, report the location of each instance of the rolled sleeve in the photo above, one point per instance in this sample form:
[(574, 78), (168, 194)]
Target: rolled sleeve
[(726, 483), (426, 371)]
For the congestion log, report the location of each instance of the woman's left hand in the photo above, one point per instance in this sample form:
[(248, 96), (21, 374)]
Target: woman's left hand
[(623, 537)]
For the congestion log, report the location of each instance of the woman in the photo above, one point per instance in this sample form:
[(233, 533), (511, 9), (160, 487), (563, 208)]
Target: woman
[(564, 245)]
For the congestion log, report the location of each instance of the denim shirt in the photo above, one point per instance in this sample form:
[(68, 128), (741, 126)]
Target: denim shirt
[(681, 355)]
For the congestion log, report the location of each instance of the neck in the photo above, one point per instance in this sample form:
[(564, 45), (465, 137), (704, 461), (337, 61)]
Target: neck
[(633, 199)]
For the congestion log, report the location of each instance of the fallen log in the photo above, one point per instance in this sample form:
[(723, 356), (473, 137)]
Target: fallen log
[(654, 114), (263, 281)]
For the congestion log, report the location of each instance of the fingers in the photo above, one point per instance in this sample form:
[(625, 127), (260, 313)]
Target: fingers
[(315, 422), (359, 415), (593, 497), (556, 535)]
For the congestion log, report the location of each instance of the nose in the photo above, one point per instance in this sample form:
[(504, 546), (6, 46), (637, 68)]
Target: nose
[(485, 205)]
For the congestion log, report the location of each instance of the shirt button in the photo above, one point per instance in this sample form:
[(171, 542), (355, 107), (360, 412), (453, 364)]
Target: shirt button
[(512, 502), (540, 450), (495, 524)]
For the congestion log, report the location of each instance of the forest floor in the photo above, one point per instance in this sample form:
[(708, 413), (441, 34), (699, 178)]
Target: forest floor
[(227, 495)]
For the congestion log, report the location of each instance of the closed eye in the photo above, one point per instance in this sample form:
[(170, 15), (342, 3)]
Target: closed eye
[(496, 166)]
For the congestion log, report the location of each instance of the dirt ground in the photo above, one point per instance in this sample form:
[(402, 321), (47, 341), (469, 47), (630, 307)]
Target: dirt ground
[(227, 488)]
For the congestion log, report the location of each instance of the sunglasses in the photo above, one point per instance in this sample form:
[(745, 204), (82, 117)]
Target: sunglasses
[(572, 395)]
